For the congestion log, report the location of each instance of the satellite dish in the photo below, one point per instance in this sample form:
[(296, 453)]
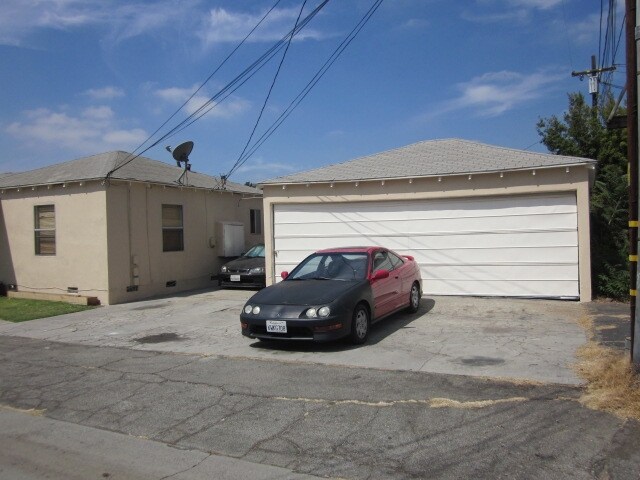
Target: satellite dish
[(182, 151)]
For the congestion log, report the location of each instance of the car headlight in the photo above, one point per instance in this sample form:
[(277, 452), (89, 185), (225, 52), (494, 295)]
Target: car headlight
[(312, 313), (324, 311), (256, 310), (256, 271), (224, 269), (247, 309)]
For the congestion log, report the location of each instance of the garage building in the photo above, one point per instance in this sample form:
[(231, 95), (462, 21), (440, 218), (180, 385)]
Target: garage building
[(479, 219)]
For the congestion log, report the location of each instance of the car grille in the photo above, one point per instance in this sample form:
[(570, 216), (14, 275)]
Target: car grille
[(238, 270)]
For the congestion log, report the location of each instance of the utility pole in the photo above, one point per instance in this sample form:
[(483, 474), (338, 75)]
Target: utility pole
[(632, 155), (594, 78)]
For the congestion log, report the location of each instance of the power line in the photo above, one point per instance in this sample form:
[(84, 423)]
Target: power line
[(196, 91), (241, 78), (212, 74), (312, 83), (266, 100)]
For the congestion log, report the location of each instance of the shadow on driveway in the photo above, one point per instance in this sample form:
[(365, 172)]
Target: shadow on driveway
[(379, 331)]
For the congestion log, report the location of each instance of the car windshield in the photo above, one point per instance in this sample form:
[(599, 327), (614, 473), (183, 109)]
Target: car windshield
[(331, 266), (256, 251)]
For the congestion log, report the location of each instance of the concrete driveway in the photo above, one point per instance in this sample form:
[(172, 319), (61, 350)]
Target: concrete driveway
[(532, 340)]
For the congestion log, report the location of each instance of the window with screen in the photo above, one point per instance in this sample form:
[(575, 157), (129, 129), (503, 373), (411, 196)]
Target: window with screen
[(45, 229), (172, 228), (255, 217)]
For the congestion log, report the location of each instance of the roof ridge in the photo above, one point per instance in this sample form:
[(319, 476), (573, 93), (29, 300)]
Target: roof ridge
[(431, 157)]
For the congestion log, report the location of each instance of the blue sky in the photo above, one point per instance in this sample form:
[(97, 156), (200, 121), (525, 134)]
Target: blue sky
[(81, 77)]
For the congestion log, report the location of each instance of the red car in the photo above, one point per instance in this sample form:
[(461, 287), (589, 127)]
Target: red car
[(334, 293)]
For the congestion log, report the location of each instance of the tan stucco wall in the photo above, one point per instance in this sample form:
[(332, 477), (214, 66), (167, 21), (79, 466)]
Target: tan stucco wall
[(134, 216), (81, 240), (510, 183)]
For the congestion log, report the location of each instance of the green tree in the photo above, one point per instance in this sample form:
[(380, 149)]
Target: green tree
[(582, 133)]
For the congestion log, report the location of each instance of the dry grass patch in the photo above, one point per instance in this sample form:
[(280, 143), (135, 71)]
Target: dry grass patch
[(612, 386)]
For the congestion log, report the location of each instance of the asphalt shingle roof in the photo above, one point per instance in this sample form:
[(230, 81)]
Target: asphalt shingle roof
[(431, 158), (97, 167)]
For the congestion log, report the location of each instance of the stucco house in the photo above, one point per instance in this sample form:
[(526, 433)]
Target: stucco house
[(479, 219), (64, 229)]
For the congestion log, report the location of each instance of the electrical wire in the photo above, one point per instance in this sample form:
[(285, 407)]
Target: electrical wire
[(212, 74), (258, 65), (133, 154), (241, 78), (310, 85), (266, 100)]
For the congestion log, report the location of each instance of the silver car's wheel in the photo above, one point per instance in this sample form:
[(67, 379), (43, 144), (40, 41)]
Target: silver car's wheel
[(360, 325), (414, 298)]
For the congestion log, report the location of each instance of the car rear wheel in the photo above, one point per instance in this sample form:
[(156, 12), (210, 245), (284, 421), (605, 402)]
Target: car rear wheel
[(360, 325), (414, 298)]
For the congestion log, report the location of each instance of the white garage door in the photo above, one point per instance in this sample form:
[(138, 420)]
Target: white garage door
[(498, 246)]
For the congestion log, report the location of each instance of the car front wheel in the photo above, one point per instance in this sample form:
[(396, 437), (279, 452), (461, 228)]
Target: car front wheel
[(360, 325), (414, 298)]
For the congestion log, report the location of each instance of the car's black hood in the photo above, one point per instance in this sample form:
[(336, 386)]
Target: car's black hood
[(245, 262), (304, 292)]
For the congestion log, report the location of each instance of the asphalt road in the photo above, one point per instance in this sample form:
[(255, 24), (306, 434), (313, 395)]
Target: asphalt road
[(282, 420)]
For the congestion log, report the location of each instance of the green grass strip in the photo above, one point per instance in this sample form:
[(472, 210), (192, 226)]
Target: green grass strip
[(21, 310)]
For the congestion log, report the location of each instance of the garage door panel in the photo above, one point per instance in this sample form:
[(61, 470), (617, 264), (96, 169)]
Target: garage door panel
[(449, 208), (468, 256), (512, 273), (440, 226), (502, 288), (479, 246), (539, 239), (319, 243)]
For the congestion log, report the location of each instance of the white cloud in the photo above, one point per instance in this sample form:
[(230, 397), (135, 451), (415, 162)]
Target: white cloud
[(105, 93), (122, 20), (119, 20), (259, 169), (495, 93), (585, 31), (539, 4), (225, 26), (92, 130), (493, 11), (230, 107)]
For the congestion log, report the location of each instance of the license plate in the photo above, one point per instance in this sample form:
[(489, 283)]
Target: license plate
[(276, 326), (235, 278)]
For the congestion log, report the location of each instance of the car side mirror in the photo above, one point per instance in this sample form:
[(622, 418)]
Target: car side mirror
[(284, 275), (380, 274)]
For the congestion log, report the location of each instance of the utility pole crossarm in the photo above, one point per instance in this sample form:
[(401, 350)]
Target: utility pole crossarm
[(592, 72)]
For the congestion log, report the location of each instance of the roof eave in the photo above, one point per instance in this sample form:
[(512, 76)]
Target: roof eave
[(586, 163)]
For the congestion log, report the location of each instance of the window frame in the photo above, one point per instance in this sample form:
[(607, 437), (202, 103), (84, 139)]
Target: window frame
[(168, 231), (255, 221), (38, 230)]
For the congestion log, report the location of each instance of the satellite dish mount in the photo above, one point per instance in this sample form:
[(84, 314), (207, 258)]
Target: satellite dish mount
[(181, 155)]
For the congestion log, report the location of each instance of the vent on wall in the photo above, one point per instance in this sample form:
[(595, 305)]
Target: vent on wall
[(72, 289), (132, 288), (171, 283)]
